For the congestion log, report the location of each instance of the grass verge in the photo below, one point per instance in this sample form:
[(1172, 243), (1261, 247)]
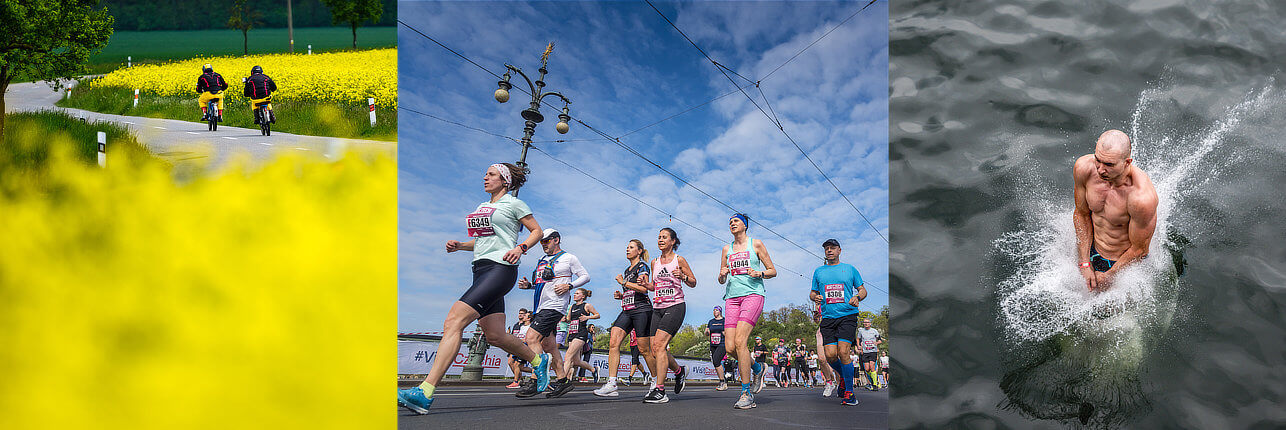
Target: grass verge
[(28, 136), (297, 117)]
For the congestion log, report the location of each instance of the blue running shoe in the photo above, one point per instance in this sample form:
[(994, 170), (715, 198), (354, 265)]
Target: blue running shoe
[(542, 372), (413, 399), (849, 398)]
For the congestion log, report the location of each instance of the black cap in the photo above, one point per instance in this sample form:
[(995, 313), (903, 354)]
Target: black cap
[(830, 242)]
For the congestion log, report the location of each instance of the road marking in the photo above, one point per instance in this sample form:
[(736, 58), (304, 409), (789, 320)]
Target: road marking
[(264, 144), (193, 132), (127, 122), (229, 138), (302, 149), (162, 128)]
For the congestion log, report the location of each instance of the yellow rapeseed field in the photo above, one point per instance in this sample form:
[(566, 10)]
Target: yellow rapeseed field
[(346, 77), (259, 297)]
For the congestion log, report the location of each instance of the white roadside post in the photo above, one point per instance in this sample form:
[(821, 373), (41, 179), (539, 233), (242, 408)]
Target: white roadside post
[(129, 61), (310, 49), (136, 98), (67, 94), (102, 149), (371, 101)]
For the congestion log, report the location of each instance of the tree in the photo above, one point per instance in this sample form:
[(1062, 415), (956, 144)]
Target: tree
[(244, 17), (354, 13), (48, 40)]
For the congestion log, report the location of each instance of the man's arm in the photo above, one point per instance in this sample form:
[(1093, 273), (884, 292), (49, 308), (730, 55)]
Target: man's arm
[(1081, 218), (1143, 223)]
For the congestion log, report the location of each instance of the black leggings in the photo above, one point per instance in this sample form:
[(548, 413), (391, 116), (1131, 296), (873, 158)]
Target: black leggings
[(717, 353), (491, 281)]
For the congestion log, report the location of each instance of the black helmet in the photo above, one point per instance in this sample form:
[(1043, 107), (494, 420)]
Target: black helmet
[(207, 68), (256, 70)]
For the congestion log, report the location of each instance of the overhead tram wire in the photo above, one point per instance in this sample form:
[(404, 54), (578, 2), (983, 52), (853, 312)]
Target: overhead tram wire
[(819, 39), (595, 178), (772, 118), (629, 149)]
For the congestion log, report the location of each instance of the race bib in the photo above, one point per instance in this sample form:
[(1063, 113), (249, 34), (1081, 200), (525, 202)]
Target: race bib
[(667, 292), (627, 302), (868, 346), (480, 222), (739, 263), (716, 338), (574, 326), (834, 293)]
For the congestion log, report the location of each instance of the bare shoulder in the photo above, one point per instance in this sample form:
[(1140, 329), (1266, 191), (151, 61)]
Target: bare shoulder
[(1083, 167), (759, 244), (1143, 199)]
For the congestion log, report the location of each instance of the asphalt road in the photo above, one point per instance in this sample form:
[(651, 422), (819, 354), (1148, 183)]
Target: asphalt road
[(698, 407), (189, 140)]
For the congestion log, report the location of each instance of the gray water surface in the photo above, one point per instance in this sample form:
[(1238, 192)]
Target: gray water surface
[(990, 103)]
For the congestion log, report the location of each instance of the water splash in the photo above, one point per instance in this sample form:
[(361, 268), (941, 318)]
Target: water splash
[(1076, 355), (1046, 294)]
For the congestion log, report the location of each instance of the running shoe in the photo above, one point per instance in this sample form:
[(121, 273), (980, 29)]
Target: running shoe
[(829, 390), (657, 395), (680, 379), (849, 399), (624, 382), (514, 384), (746, 401), (759, 380), (413, 399), (595, 375), (560, 387), (542, 372), (723, 385), (607, 390), (528, 390), (649, 381)]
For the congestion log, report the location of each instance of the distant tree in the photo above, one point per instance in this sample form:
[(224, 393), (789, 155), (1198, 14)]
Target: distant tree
[(48, 40), (244, 17), (354, 13)]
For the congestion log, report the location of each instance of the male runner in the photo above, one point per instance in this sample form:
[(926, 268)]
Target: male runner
[(838, 287), (869, 341), (519, 330), (555, 275), (1116, 207)]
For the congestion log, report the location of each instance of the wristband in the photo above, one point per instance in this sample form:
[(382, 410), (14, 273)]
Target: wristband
[(1085, 265), (524, 247)]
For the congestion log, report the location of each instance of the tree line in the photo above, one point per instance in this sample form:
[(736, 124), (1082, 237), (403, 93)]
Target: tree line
[(148, 15)]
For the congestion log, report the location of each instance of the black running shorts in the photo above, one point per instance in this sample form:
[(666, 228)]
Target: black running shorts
[(669, 320), (491, 281), (836, 329)]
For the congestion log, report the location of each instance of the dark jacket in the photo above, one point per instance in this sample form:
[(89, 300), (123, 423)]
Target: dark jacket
[(259, 86), (210, 82)]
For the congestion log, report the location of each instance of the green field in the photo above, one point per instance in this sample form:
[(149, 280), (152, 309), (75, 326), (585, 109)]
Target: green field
[(297, 117), (161, 46)]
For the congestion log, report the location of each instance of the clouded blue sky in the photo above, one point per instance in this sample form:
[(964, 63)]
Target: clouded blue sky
[(624, 67)]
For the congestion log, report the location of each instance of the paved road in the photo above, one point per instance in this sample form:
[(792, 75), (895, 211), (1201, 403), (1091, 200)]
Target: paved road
[(183, 140), (698, 407)]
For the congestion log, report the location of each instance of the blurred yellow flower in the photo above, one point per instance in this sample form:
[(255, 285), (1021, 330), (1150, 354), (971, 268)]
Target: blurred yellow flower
[(252, 298)]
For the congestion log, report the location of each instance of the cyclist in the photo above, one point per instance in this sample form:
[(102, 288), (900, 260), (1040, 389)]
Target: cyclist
[(209, 85), (259, 88)]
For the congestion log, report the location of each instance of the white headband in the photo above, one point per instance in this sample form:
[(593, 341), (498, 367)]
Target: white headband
[(504, 172)]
